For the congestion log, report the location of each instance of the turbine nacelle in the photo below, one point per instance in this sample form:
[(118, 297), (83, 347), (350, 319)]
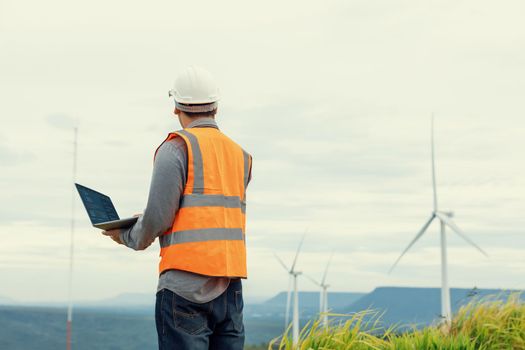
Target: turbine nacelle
[(447, 213)]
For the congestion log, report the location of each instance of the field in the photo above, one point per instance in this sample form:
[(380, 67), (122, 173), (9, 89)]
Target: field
[(483, 322), (487, 324), (43, 328)]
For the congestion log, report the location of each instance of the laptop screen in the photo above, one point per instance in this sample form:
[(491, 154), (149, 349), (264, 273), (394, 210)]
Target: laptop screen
[(99, 206)]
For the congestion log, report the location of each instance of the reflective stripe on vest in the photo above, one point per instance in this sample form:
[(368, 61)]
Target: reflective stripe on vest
[(208, 233), (202, 235), (213, 200), (198, 172)]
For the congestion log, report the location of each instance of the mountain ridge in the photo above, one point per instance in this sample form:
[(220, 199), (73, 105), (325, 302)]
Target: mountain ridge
[(419, 305)]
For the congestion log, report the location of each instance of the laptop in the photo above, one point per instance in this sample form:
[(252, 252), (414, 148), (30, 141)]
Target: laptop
[(101, 211)]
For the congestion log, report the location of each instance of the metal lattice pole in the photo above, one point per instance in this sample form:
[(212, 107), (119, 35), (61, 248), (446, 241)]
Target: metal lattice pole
[(71, 247)]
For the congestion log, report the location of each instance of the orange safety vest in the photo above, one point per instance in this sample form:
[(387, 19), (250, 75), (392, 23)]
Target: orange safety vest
[(208, 233)]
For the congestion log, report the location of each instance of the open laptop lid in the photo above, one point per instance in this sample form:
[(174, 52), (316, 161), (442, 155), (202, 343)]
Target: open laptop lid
[(98, 206), (101, 210)]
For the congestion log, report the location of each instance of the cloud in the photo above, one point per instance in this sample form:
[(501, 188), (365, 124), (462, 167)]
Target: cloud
[(333, 100), (10, 157), (62, 121)]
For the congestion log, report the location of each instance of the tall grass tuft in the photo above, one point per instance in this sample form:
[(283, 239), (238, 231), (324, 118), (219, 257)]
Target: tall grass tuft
[(485, 324)]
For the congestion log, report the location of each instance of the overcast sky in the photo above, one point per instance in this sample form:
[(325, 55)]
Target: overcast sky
[(332, 98)]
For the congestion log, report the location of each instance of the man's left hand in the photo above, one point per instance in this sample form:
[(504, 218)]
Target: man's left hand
[(114, 235)]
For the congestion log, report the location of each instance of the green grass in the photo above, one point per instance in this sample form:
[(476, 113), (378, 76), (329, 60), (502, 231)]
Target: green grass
[(480, 325)]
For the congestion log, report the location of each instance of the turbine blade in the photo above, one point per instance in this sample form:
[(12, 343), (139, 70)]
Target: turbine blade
[(419, 234), (281, 262), (312, 279), (298, 250), (450, 223), (326, 268), (288, 295), (433, 163)]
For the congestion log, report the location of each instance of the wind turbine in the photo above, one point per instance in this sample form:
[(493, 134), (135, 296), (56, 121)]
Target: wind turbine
[(293, 277), (323, 296), (445, 219)]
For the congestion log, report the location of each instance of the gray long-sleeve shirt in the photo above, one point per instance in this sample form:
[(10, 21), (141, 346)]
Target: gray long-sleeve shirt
[(166, 188)]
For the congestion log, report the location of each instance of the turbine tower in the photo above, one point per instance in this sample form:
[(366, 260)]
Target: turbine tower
[(293, 278), (323, 296), (445, 219)]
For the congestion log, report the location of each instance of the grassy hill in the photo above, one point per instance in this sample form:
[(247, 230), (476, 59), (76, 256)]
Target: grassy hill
[(480, 325), (416, 306)]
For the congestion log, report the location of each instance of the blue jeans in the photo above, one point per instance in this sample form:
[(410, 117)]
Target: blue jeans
[(182, 324)]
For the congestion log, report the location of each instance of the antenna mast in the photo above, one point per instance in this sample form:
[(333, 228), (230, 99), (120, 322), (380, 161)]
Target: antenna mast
[(433, 164), (71, 246)]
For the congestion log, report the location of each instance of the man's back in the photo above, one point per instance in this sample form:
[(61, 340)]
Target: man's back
[(210, 222), (197, 209)]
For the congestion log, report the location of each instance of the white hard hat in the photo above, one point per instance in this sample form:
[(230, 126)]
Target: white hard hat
[(195, 90)]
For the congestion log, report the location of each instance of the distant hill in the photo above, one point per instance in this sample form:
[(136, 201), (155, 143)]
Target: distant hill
[(416, 305), (123, 301), (6, 301), (311, 299), (275, 307)]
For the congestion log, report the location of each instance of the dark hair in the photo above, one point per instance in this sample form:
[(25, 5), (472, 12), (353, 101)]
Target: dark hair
[(201, 114)]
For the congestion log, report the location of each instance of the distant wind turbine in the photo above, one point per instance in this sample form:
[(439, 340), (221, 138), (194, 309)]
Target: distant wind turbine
[(293, 277), (323, 296), (445, 219)]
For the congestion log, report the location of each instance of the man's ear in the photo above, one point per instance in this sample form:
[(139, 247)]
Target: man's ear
[(179, 114)]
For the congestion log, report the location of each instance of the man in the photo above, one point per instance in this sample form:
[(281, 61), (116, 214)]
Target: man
[(196, 206)]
